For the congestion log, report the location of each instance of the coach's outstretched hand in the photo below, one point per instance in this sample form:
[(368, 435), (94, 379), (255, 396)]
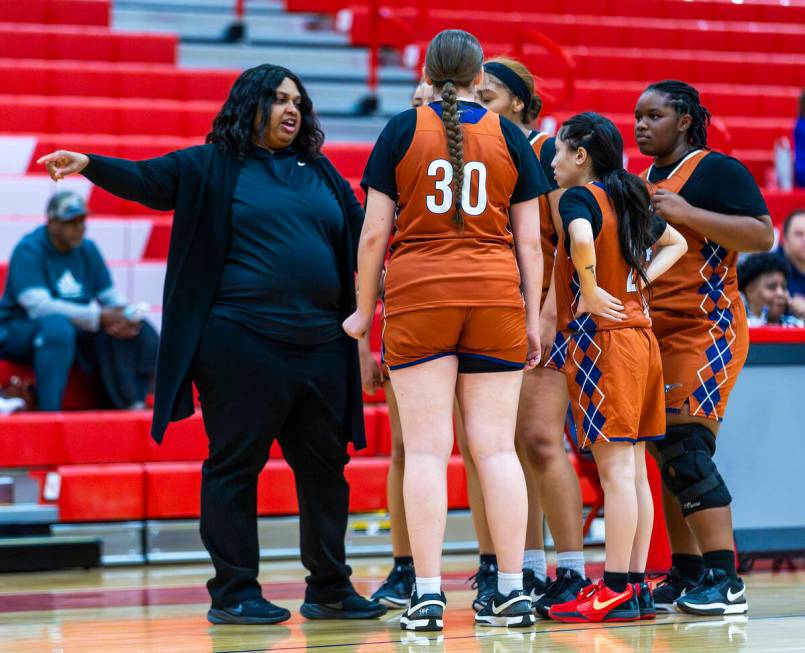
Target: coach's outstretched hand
[(61, 163)]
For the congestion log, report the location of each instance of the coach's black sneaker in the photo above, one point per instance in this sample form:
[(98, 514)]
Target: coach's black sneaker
[(485, 580), (352, 607), (645, 600), (670, 588), (514, 611), (715, 594), (396, 589), (565, 588), (533, 586), (255, 612), (424, 612)]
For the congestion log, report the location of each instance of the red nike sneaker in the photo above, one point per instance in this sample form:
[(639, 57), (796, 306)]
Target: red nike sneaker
[(598, 603)]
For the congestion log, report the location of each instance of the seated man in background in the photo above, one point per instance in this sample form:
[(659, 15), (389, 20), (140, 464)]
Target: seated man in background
[(763, 280), (60, 307), (792, 246)]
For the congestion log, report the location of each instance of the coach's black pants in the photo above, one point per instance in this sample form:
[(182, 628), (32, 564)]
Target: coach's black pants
[(252, 391)]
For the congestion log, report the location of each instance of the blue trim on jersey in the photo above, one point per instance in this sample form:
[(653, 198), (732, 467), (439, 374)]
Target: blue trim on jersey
[(468, 112)]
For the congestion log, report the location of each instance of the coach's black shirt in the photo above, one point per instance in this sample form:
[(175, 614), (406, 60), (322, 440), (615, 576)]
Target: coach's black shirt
[(281, 274)]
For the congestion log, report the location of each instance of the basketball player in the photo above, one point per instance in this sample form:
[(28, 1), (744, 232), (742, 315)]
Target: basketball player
[(612, 367), (455, 317), (700, 323), (396, 589), (508, 89)]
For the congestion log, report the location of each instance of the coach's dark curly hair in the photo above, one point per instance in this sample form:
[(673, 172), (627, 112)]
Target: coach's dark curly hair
[(453, 59), (256, 90), (756, 265), (685, 100), (604, 144)]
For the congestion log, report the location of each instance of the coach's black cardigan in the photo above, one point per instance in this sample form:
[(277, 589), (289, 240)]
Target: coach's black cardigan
[(198, 184)]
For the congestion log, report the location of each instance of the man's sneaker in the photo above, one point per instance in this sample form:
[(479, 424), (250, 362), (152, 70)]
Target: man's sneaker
[(424, 612), (485, 580), (396, 589), (255, 612), (565, 588), (670, 588), (513, 610), (533, 586), (598, 603), (352, 607), (645, 601), (715, 594)]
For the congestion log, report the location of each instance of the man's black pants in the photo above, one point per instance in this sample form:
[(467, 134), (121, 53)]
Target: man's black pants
[(252, 391)]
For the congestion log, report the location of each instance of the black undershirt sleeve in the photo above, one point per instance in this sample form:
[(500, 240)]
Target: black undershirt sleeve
[(392, 144), (546, 154), (579, 202)]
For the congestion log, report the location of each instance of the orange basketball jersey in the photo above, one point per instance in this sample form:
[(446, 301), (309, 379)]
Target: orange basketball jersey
[(704, 279), (613, 274), (433, 262), (547, 231)]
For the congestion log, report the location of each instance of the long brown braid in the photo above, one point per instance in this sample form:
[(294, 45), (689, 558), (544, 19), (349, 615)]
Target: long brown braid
[(453, 60)]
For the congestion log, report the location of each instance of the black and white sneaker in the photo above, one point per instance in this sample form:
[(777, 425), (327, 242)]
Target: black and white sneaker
[(514, 611), (565, 588), (715, 594), (396, 589), (485, 580), (533, 586), (424, 612), (670, 588)]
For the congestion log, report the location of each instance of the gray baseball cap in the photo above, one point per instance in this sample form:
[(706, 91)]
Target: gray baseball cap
[(66, 205)]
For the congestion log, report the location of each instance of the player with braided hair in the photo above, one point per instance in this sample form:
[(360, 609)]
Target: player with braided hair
[(700, 323), (464, 186)]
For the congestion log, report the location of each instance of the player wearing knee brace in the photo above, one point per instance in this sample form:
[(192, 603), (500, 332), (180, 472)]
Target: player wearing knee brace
[(700, 324)]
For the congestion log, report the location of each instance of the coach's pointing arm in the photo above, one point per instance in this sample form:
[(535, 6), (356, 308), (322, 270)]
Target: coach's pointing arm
[(152, 182)]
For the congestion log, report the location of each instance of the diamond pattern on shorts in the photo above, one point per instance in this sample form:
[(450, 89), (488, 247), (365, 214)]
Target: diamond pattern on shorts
[(559, 351), (716, 305), (586, 354)]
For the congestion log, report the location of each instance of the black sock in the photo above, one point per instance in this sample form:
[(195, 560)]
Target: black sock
[(489, 559), (616, 581), (690, 566), (724, 560), (403, 560), (634, 577)]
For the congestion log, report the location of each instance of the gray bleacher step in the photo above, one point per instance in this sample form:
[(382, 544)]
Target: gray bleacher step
[(355, 129), (322, 62), (332, 99), (306, 29), (28, 513)]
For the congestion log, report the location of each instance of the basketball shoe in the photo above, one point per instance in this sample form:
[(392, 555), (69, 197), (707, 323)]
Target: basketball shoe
[(715, 594), (565, 588), (645, 601), (513, 610), (396, 589), (424, 612), (598, 603), (670, 588)]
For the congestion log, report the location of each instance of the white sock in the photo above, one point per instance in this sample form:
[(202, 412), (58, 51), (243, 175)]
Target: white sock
[(508, 583), (428, 585), (535, 561), (572, 560)]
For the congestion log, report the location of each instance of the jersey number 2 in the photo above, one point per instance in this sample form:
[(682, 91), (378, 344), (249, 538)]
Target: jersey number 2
[(442, 200)]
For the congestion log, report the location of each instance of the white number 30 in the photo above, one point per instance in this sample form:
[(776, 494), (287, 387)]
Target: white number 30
[(442, 200)]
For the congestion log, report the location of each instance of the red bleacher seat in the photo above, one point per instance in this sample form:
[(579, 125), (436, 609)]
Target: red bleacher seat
[(102, 493), (57, 12), (27, 41)]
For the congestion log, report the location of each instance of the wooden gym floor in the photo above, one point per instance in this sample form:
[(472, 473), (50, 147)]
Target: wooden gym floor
[(161, 610)]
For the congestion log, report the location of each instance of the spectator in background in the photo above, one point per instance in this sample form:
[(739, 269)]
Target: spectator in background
[(762, 278), (799, 144), (793, 248), (60, 308)]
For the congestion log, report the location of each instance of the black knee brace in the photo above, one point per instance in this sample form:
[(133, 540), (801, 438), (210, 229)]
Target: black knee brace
[(688, 470)]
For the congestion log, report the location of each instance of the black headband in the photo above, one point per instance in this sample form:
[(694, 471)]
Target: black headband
[(510, 79)]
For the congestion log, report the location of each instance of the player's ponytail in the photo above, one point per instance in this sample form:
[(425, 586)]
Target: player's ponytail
[(453, 59), (685, 99), (630, 199)]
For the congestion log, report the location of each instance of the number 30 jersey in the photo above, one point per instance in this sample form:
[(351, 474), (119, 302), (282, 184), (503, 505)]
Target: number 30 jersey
[(433, 261)]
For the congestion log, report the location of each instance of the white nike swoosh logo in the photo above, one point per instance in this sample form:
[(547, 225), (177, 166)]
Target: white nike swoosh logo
[(300, 164), (497, 609), (732, 597)]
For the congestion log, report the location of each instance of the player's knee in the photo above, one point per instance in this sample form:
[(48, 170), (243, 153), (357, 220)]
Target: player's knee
[(541, 446), (56, 331), (688, 470)]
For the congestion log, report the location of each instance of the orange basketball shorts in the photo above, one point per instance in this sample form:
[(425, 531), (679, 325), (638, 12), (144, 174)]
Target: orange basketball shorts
[(614, 380), (701, 359), (485, 339)]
